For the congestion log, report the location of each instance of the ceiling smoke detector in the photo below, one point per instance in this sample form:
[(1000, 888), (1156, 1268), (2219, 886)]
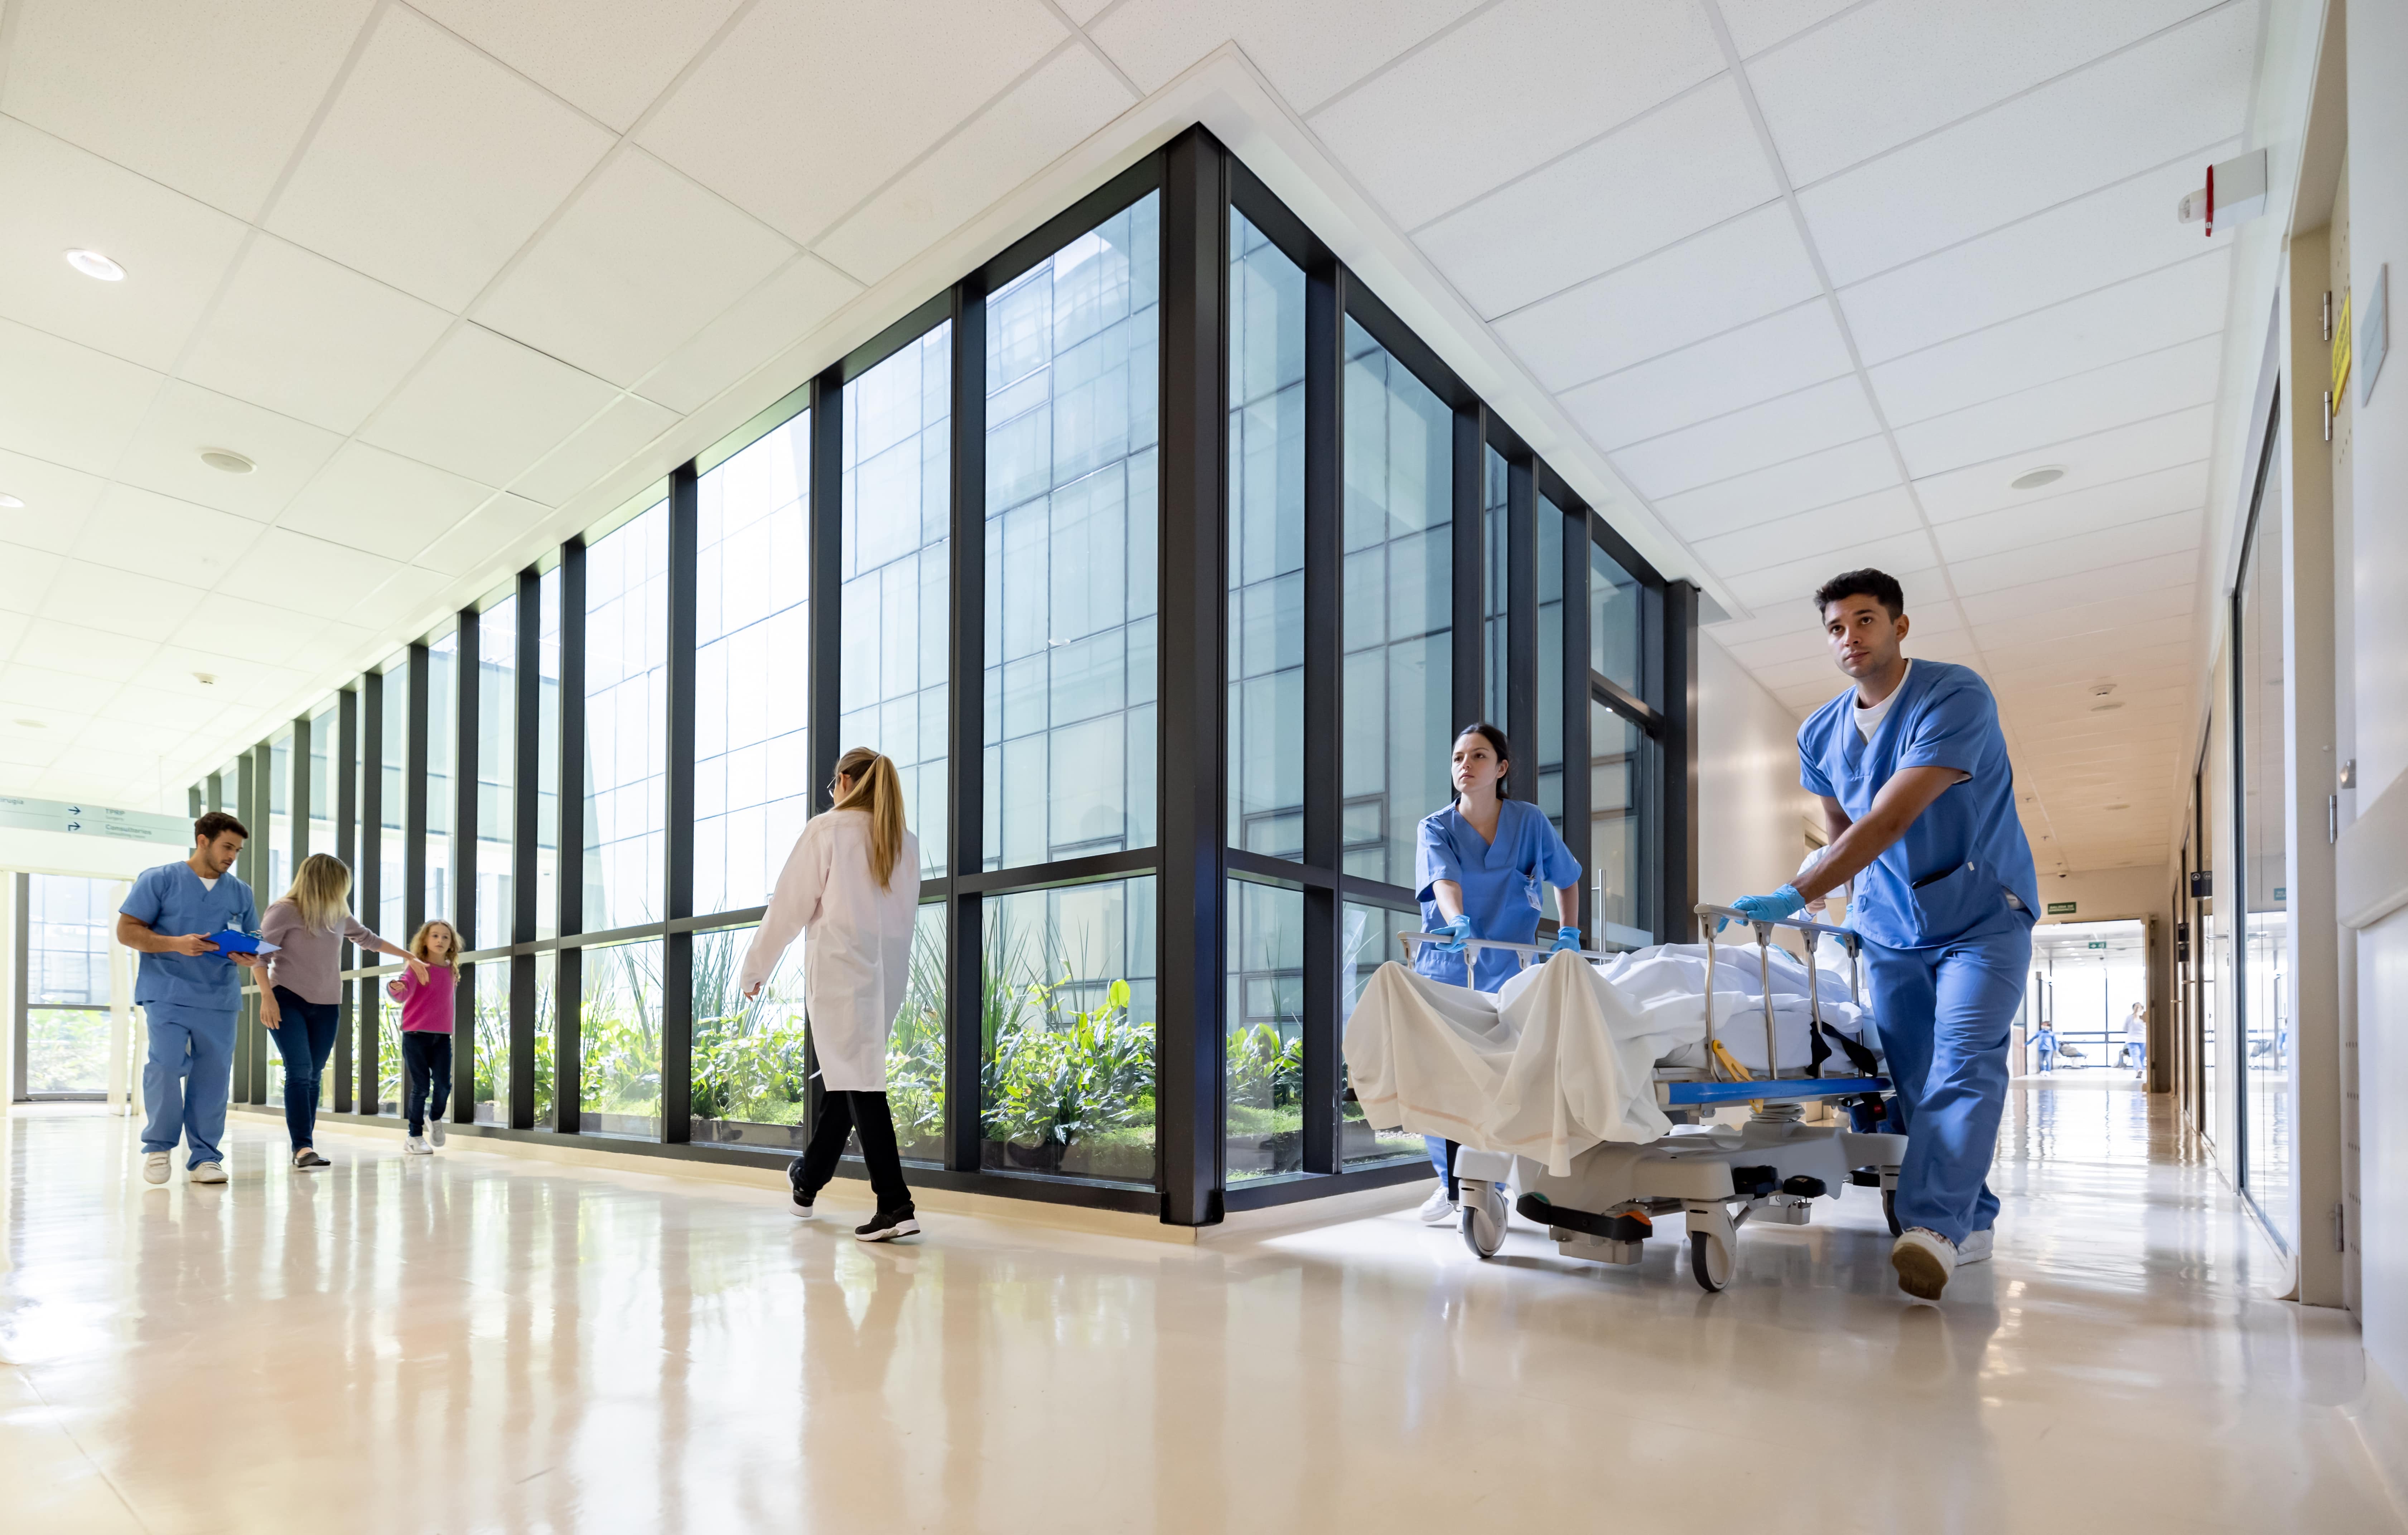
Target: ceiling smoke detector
[(92, 263), (226, 459), (2100, 690)]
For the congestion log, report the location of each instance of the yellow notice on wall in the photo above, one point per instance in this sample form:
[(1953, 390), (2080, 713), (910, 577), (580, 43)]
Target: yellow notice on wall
[(2341, 352)]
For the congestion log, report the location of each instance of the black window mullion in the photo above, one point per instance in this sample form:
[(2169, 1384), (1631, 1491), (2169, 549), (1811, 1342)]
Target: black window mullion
[(370, 721), (342, 768), (250, 1039), (413, 796), (826, 668), (1324, 488), (568, 849), (1675, 799), (1470, 442), (677, 947), (965, 748), (526, 729), (1573, 701), (466, 663), (296, 790), (1522, 625)]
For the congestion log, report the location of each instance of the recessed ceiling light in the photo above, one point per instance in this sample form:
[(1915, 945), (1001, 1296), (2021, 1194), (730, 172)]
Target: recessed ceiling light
[(2105, 708), (12, 502), (93, 263), (226, 459), (2032, 479), (2123, 807), (31, 725)]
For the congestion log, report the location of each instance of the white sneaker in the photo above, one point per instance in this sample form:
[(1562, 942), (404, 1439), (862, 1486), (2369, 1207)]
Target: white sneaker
[(1438, 1210), (209, 1172), (435, 1131), (154, 1166), (416, 1145), (1976, 1248), (1924, 1259)]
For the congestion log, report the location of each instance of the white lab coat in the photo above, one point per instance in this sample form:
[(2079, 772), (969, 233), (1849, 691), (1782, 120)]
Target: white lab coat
[(857, 945)]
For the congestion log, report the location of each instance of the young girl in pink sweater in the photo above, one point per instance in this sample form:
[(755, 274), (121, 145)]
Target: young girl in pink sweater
[(426, 1033)]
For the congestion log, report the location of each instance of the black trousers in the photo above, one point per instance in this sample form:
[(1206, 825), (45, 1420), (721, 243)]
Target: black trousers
[(842, 1115), (426, 1071)]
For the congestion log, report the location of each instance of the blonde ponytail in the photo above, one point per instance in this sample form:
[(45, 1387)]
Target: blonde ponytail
[(877, 789)]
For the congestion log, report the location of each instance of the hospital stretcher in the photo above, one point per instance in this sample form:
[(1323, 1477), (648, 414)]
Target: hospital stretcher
[(1769, 1168)]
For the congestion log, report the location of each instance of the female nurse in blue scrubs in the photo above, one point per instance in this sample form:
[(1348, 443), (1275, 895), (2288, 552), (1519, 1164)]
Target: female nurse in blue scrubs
[(1480, 865), (1919, 799)]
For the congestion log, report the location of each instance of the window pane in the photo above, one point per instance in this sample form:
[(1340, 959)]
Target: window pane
[(752, 760), (325, 743), (547, 759), (1612, 622), (387, 1013), (1071, 375), (546, 1022), (1369, 942), (626, 726), (1550, 722), (491, 1040), (619, 1029), (1262, 1099), (1400, 653), (442, 673), (1265, 545), (68, 925), (2265, 918), (1620, 755), (1496, 579), (392, 899), (1069, 1011), (276, 876), (67, 1051), (497, 684)]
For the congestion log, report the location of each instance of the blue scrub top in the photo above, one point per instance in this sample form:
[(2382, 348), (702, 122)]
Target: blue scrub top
[(171, 901), (1966, 853), (1501, 885)]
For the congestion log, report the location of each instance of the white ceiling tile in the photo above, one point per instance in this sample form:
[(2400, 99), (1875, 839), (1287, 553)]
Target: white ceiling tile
[(1802, 484), (1894, 69), (638, 262), (405, 603), (1036, 122), (266, 635), (610, 57), (1683, 167), (1906, 555), (68, 404), (1734, 272), (482, 540), (2095, 458), (209, 99), (433, 164), (1808, 420), (755, 329), (310, 337), (36, 690), (1307, 52), (165, 454), (858, 95), (2156, 384), (1519, 83), (622, 430), (30, 573), (2159, 309), (382, 502), (61, 198), (37, 736), (1775, 355), (62, 646), (2142, 107), (1797, 642), (143, 606), (187, 711), (313, 576), (2039, 560), (1802, 535), (55, 499), (2040, 517), (241, 686), (2143, 583), (157, 536), (485, 407)]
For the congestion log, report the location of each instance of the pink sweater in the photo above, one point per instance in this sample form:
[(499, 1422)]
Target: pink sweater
[(424, 1009)]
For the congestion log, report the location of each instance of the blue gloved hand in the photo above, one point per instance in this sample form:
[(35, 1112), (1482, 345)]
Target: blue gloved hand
[(1457, 932), (1568, 937), (1783, 902)]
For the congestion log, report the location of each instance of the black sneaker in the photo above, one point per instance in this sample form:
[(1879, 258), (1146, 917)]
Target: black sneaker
[(802, 1206), (888, 1224)]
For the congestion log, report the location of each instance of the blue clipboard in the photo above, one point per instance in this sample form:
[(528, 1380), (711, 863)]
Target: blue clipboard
[(231, 943)]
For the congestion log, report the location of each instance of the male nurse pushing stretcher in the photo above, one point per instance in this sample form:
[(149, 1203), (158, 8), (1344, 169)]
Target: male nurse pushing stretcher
[(1920, 801)]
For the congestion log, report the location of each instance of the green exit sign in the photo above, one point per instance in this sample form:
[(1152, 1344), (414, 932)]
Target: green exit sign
[(2060, 908), (2098, 945)]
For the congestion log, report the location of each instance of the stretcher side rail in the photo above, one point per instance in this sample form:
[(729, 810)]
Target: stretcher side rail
[(1762, 927)]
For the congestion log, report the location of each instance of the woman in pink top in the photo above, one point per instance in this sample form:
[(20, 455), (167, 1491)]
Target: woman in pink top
[(426, 1031)]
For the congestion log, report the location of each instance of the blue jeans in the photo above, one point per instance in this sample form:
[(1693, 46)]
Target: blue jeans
[(1945, 1015), (186, 1078), (305, 1040)]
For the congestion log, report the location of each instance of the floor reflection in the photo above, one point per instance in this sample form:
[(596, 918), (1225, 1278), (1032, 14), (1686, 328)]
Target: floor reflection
[(472, 1342)]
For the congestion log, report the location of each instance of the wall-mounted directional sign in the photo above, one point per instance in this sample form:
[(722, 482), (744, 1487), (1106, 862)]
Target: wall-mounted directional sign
[(94, 820), (2060, 908)]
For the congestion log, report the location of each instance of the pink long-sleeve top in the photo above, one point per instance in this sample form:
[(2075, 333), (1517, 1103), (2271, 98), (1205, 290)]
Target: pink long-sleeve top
[(425, 1005)]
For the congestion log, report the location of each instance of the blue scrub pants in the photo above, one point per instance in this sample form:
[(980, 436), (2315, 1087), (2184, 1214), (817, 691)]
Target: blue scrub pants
[(186, 1079), (1945, 1013)]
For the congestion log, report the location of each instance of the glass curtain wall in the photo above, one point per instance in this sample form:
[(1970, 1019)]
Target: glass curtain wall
[(442, 712), (496, 838), (67, 924), (1265, 545), (1550, 742), (276, 874), (2264, 920), (393, 872), (1496, 580)]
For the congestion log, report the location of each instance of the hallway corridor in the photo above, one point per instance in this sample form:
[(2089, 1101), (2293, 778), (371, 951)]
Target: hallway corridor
[(604, 1351)]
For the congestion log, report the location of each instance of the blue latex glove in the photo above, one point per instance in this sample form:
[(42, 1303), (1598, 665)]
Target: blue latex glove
[(1568, 937), (1783, 902), (1457, 932)]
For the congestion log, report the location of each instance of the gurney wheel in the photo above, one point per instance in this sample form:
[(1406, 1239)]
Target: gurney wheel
[(1483, 1221), (1889, 1211), (1709, 1261)]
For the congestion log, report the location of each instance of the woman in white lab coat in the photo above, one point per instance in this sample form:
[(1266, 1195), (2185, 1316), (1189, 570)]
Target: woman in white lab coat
[(852, 886)]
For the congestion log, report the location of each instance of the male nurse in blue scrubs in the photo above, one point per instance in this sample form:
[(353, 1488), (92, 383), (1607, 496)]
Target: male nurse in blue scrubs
[(189, 994), (1920, 802)]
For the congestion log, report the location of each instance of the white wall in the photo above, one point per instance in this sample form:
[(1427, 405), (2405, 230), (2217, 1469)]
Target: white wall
[(1752, 814), (2107, 895)]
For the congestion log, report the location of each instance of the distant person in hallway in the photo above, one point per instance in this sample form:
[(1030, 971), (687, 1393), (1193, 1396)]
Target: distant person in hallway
[(852, 887), (189, 994), (2044, 1046), (2136, 1039), (303, 1000), (425, 991), (1919, 798)]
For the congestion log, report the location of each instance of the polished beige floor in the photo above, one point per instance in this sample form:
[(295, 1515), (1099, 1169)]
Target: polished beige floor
[(473, 1342)]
